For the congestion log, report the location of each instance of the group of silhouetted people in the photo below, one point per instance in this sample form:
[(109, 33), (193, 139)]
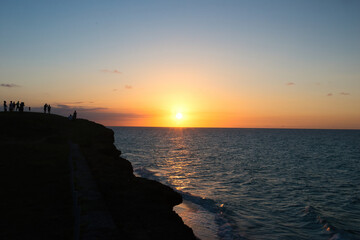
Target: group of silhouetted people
[(20, 106), (15, 106), (73, 117), (47, 108)]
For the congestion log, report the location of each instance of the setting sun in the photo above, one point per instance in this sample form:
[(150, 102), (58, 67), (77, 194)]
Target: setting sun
[(179, 116)]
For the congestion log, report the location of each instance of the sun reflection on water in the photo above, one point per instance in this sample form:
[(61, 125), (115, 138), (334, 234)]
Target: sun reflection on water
[(179, 163)]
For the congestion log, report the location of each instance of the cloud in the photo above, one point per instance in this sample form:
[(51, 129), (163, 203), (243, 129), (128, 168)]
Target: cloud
[(98, 114), (9, 85), (113, 116), (128, 87), (344, 93), (329, 94), (101, 115), (111, 71), (70, 107), (290, 84), (72, 103)]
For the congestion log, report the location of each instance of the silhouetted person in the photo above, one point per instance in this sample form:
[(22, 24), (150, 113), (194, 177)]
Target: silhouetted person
[(29, 109), (11, 106), (75, 115), (45, 107), (70, 117), (49, 108), (5, 106), (21, 108), (17, 108)]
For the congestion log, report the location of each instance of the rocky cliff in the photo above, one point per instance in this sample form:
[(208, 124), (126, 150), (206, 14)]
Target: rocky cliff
[(140, 208)]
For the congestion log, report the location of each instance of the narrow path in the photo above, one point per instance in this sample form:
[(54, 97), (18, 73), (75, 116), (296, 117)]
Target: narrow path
[(92, 218)]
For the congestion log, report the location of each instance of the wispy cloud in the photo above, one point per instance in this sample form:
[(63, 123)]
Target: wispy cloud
[(9, 85), (128, 87), (111, 71), (99, 114), (72, 103), (329, 94), (344, 93), (83, 108), (102, 115), (290, 84), (114, 116)]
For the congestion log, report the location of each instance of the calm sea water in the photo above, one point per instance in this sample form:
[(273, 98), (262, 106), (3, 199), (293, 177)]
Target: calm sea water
[(255, 183)]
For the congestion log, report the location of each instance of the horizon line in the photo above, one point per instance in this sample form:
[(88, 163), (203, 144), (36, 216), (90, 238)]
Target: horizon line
[(274, 128)]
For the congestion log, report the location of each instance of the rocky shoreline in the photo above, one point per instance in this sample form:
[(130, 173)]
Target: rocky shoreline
[(140, 208)]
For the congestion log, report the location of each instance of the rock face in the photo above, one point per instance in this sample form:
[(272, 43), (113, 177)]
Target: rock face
[(141, 208)]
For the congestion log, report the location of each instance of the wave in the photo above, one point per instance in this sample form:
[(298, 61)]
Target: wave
[(336, 233), (226, 227)]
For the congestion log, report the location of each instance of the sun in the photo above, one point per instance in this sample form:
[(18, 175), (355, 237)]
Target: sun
[(179, 115)]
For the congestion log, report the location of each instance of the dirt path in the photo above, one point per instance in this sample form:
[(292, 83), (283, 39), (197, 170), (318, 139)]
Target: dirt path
[(92, 218)]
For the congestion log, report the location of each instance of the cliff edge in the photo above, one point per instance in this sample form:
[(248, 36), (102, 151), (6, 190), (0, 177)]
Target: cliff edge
[(36, 181)]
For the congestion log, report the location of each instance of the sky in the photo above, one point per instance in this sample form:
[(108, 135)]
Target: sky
[(246, 64)]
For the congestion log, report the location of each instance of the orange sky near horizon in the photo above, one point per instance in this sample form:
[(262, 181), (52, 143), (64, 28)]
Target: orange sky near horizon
[(153, 98)]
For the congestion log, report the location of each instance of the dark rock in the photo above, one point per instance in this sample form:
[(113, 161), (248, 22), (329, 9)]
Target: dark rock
[(141, 208)]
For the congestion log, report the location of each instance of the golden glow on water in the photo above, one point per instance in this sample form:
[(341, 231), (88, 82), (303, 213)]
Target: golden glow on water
[(181, 165), (179, 162), (179, 168)]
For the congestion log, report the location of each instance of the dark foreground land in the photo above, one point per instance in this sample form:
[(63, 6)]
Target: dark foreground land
[(37, 184)]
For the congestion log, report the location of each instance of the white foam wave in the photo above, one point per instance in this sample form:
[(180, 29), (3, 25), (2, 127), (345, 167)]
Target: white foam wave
[(226, 228)]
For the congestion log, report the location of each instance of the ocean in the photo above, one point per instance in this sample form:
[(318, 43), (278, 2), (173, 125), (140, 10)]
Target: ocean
[(254, 183)]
